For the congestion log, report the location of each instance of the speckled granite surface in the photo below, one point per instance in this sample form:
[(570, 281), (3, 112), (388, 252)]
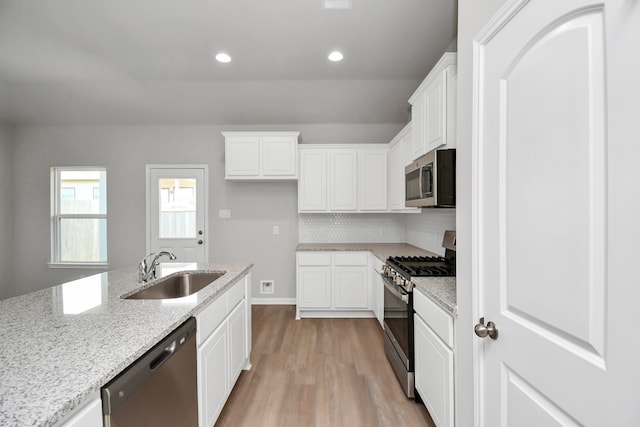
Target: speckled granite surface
[(442, 290), (381, 250), (51, 359)]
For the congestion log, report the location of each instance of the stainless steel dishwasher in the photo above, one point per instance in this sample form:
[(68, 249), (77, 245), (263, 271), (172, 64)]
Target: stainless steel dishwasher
[(158, 389)]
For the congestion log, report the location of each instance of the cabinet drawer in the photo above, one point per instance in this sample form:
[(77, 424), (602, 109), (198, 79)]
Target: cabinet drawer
[(434, 316), (236, 293), (314, 258), (350, 258), (211, 317)]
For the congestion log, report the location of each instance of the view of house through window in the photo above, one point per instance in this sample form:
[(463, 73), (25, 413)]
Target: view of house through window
[(79, 215), (177, 208)]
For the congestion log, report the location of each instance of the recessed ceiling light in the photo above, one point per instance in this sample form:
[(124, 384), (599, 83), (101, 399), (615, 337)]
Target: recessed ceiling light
[(223, 57), (335, 56)]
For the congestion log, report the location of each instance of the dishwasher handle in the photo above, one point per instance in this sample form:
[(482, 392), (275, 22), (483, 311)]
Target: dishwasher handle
[(164, 356)]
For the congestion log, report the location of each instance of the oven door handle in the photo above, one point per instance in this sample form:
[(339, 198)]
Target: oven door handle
[(402, 296)]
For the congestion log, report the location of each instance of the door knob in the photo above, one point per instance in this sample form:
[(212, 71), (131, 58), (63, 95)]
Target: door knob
[(200, 242), (483, 330)]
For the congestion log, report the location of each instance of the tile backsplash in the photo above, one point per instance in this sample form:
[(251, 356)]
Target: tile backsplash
[(424, 230), (351, 228)]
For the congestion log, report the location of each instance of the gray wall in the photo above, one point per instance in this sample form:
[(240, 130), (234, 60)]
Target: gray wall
[(473, 15), (125, 150), (6, 210)]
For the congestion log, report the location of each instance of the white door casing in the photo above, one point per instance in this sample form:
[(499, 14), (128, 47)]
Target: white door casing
[(553, 189), (189, 242)]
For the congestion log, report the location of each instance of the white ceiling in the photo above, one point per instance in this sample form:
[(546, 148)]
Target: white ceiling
[(151, 61)]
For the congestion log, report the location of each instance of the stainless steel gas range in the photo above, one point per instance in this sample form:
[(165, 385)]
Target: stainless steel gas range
[(398, 304)]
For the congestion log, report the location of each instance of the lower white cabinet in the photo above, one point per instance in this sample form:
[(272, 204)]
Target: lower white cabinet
[(89, 415), (333, 284), (434, 359), (213, 380), (223, 348), (378, 288)]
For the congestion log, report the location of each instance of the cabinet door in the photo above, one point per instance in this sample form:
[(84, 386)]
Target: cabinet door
[(433, 373), (312, 184), (279, 157), (418, 120), (213, 381), (372, 180), (343, 180), (89, 416), (350, 287), (236, 342), (242, 156), (435, 103), (314, 287), (395, 177)]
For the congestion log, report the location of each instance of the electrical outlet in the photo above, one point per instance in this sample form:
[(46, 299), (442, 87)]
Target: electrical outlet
[(266, 287), (224, 213), (276, 230)]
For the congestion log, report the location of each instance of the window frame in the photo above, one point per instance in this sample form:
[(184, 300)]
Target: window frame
[(57, 217)]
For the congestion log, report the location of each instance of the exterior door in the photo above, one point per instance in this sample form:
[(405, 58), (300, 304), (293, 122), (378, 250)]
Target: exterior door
[(555, 225), (176, 211)]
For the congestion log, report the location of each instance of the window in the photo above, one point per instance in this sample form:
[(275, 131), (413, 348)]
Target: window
[(79, 216)]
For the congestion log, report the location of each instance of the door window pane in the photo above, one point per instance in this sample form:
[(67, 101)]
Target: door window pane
[(177, 208), (83, 240)]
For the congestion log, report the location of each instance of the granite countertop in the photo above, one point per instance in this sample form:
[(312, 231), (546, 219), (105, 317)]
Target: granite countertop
[(441, 290), (61, 344)]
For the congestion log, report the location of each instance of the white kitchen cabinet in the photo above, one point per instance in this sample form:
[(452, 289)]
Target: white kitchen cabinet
[(237, 352), (314, 280), (333, 284), (88, 415), (255, 156), (312, 184), (377, 287), (433, 111), (223, 338), (400, 155), (344, 178), (213, 378), (372, 180), (433, 334)]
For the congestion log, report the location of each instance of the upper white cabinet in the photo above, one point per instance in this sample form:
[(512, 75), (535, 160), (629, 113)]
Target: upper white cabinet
[(343, 164), (345, 178), (261, 155), (400, 155), (433, 108), (372, 180)]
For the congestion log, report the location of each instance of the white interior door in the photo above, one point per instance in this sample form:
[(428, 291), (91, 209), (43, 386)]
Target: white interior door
[(553, 231), (176, 211)]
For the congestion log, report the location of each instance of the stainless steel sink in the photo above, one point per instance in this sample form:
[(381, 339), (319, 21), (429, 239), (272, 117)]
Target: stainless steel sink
[(180, 285)]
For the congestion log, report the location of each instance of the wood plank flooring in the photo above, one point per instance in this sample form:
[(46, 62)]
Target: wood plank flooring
[(318, 372)]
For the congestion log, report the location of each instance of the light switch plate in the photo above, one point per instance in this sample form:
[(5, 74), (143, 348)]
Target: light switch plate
[(224, 213)]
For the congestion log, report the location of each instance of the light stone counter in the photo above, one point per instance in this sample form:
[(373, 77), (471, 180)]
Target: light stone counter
[(61, 344), (442, 290)]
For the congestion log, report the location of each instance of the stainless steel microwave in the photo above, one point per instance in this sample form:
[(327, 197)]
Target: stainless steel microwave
[(430, 181)]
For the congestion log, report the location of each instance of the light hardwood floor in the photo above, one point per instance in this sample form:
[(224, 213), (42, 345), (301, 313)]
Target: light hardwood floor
[(318, 372)]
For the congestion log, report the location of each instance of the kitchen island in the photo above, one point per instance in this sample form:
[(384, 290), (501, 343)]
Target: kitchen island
[(61, 344)]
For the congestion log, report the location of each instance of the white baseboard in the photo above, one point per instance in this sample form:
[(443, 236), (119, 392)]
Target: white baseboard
[(273, 301)]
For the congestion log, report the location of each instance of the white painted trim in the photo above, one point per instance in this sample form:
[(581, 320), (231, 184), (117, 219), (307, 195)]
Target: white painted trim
[(509, 10), (147, 191), (273, 301), (330, 314)]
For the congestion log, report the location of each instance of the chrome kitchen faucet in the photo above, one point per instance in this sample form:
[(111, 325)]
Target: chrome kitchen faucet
[(148, 271)]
